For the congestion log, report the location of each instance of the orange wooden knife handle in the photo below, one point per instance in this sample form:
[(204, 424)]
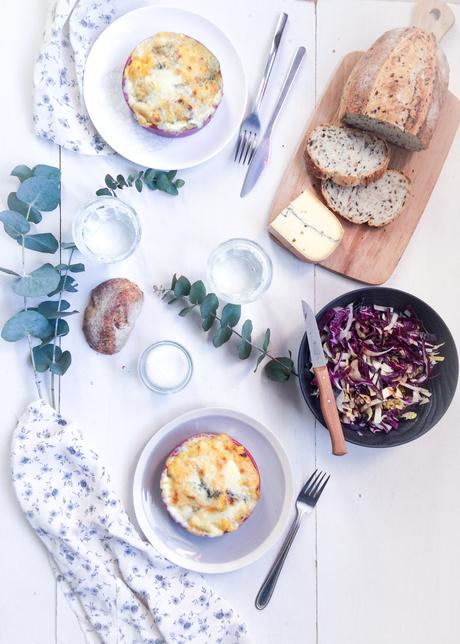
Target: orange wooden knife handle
[(329, 410)]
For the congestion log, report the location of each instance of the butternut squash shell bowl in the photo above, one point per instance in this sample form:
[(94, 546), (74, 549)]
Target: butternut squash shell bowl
[(172, 84), (210, 484)]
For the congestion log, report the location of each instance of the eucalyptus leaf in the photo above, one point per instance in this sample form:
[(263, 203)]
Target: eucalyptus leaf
[(150, 175), (207, 322), (61, 329), (110, 182), (25, 323), (182, 287), (8, 271), (279, 369), (22, 172), (266, 341), (197, 292), (15, 224), (38, 282), (164, 184), (40, 192), (138, 184), (43, 356), (179, 183), (171, 174), (265, 345), (60, 366), (231, 314), (104, 192), (32, 214), (245, 346), (209, 305), (121, 181), (173, 282), (222, 336), (48, 172), (73, 268), (52, 309), (42, 243), (186, 310), (66, 283)]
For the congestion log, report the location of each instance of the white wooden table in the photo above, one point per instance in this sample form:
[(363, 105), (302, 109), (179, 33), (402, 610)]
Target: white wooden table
[(379, 561)]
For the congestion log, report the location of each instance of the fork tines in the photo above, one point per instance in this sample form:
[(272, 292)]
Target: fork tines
[(245, 146), (314, 487)]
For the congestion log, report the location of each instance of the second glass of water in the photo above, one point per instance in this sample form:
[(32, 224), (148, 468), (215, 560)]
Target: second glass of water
[(239, 271)]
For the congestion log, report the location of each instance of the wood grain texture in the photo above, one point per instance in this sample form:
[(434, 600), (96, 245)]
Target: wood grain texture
[(329, 411), (433, 15), (366, 254)]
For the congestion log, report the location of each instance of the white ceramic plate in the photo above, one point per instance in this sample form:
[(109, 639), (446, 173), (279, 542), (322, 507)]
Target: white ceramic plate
[(111, 115), (256, 535)]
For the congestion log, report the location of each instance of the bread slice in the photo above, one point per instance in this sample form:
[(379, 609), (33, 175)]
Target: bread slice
[(376, 204), (347, 156)]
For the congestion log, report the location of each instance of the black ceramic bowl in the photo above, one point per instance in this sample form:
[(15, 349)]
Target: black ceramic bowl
[(442, 386)]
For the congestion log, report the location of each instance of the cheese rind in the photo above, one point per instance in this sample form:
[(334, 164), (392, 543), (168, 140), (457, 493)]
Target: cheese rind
[(309, 229)]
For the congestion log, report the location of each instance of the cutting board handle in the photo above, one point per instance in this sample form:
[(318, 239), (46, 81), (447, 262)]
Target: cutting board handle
[(433, 15)]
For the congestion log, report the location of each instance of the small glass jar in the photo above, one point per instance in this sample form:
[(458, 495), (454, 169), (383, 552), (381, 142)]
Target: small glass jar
[(106, 229), (239, 271), (165, 367)]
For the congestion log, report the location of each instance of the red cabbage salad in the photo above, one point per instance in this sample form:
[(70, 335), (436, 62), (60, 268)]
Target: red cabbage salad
[(379, 362)]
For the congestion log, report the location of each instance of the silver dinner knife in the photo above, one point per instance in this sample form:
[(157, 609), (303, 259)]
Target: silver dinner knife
[(262, 153), (326, 395)]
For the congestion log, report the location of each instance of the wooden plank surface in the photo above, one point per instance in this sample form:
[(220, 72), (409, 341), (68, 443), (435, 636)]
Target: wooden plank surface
[(369, 254), (378, 561)]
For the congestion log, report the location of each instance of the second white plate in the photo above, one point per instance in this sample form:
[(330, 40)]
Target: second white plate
[(112, 117), (236, 549)]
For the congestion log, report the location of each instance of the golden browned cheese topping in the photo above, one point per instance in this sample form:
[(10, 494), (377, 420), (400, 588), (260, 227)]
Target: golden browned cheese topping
[(210, 485), (172, 82)]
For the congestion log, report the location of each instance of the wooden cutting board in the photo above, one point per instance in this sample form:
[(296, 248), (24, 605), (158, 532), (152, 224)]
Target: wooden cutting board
[(368, 254)]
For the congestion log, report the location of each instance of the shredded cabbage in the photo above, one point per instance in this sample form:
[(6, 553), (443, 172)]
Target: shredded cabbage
[(379, 361)]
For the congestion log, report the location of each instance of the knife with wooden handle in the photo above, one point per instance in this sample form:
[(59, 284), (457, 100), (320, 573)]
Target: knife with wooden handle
[(326, 395)]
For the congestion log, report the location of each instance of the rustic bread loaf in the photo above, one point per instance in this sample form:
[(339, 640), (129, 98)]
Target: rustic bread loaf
[(349, 157), (397, 88), (111, 313), (376, 204)]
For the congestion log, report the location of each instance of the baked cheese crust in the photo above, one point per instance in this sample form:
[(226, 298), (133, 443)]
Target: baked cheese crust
[(172, 83), (210, 484)]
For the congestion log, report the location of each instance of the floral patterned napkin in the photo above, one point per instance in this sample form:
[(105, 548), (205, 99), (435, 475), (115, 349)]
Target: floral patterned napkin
[(59, 112), (120, 588)]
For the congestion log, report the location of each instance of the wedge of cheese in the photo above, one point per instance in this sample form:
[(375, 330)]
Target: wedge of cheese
[(307, 228)]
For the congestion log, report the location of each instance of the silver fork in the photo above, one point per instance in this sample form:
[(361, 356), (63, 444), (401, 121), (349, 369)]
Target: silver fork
[(306, 501), (250, 127)]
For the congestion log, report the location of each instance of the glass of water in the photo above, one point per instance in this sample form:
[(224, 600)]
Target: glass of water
[(239, 271), (106, 229)]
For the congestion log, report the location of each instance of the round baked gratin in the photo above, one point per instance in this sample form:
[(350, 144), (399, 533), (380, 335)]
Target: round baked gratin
[(172, 83), (210, 484)]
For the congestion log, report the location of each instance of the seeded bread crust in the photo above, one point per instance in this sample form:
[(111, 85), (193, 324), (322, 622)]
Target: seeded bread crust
[(347, 156), (111, 313), (376, 204), (397, 88)]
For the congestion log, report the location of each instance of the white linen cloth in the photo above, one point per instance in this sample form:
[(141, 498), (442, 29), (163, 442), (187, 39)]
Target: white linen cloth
[(120, 588), (59, 112)]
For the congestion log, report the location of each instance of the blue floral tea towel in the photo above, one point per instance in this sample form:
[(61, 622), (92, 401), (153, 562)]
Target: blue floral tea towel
[(59, 112), (120, 588)]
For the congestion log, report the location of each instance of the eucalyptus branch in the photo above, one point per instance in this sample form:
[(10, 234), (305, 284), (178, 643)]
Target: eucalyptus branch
[(257, 348), (278, 368), (152, 179), (40, 191)]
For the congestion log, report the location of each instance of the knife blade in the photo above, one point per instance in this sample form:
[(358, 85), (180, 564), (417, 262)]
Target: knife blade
[(262, 153), (326, 395)]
